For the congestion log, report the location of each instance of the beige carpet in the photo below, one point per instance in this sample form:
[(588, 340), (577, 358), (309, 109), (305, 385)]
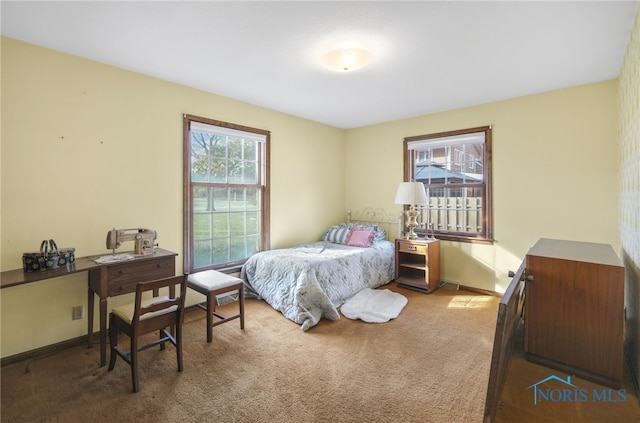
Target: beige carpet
[(431, 364)]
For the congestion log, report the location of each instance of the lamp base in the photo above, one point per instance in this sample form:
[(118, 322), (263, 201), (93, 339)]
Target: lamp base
[(412, 222)]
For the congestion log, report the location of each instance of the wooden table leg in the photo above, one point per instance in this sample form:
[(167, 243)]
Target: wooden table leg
[(103, 332), (90, 305)]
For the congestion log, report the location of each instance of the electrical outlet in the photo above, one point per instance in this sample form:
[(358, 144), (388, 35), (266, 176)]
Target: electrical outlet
[(77, 313)]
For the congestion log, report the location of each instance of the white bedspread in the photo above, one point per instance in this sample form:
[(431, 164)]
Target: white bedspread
[(310, 281)]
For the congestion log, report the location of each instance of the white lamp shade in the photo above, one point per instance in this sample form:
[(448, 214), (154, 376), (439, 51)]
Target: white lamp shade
[(411, 193)]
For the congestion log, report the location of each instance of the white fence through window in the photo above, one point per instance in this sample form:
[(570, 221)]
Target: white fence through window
[(452, 214)]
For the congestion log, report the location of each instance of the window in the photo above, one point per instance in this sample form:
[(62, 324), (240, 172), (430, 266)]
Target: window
[(226, 194), (455, 168)]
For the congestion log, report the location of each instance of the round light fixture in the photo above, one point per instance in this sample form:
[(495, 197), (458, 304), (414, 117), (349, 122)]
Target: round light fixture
[(346, 60)]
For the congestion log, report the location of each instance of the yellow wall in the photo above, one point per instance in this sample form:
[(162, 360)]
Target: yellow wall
[(554, 174), (86, 147), (629, 213)]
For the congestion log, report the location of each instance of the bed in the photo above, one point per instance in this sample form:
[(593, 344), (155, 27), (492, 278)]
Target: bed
[(311, 281)]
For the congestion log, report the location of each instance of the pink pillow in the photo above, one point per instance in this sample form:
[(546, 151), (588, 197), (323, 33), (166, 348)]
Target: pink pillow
[(359, 237)]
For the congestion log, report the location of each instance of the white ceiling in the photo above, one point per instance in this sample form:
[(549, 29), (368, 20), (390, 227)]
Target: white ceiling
[(429, 56)]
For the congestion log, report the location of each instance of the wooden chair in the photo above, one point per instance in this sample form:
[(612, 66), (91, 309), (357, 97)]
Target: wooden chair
[(148, 315), (211, 283)]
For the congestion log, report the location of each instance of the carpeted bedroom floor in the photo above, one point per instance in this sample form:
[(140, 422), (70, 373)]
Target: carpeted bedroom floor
[(430, 364)]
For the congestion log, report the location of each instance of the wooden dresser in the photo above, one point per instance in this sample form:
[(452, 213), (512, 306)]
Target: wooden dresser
[(574, 309)]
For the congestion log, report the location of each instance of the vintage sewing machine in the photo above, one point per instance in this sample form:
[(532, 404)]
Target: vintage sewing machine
[(144, 240)]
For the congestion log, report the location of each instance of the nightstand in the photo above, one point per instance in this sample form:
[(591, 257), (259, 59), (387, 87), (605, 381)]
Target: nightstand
[(418, 264)]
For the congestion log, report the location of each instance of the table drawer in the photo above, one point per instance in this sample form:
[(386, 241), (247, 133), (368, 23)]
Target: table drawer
[(406, 247), (122, 278)]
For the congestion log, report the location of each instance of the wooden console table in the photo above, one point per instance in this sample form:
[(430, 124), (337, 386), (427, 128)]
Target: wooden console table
[(105, 280), (112, 279)]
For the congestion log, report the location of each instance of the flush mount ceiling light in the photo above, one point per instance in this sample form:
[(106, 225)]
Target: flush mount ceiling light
[(346, 60)]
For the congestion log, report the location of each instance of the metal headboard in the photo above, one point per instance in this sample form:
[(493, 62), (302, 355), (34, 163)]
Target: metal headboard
[(380, 217)]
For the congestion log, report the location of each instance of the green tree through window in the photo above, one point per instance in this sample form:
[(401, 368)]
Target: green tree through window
[(226, 193)]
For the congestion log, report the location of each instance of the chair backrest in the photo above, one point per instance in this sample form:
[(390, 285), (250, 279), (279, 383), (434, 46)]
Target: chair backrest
[(159, 312)]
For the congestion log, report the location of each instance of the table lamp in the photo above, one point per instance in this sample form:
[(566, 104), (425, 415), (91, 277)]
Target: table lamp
[(411, 193)]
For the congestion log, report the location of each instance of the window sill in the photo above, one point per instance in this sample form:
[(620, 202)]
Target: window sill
[(458, 238)]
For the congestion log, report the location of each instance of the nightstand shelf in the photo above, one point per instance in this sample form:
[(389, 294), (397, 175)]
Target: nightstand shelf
[(414, 266), (418, 264)]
